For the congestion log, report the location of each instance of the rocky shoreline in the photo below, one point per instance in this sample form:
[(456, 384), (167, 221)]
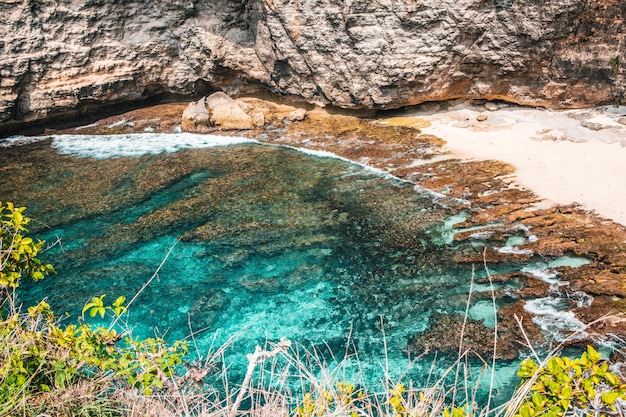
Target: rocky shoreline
[(491, 204)]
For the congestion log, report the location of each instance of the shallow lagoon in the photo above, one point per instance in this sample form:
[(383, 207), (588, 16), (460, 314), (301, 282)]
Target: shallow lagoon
[(266, 242)]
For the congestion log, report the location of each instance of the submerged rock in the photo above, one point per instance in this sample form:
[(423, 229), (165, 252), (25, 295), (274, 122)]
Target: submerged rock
[(444, 336)]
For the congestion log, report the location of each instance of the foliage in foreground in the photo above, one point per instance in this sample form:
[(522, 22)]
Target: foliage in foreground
[(40, 358), (86, 370)]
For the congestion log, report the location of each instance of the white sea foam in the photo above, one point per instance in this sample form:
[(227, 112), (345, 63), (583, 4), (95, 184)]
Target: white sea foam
[(545, 274), (515, 241), (582, 299), (545, 271), (19, 141), (515, 250), (326, 154), (380, 172), (550, 317), (484, 235), (138, 144)]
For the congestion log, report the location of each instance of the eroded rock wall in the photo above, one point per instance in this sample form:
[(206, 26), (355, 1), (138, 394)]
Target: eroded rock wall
[(57, 56), (391, 52), (61, 56)]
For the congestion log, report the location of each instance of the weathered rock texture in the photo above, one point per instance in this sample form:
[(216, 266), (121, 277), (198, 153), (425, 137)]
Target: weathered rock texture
[(60, 57)]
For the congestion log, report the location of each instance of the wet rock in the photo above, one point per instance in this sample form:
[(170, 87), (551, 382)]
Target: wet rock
[(515, 324), (444, 335)]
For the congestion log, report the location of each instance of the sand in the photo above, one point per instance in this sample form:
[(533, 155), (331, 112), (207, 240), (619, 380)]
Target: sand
[(565, 157)]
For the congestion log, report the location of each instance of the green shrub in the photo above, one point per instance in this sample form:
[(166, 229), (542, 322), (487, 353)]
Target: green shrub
[(18, 253), (564, 385)]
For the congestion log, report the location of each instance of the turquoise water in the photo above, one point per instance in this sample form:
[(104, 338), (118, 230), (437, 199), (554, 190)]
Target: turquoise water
[(266, 242)]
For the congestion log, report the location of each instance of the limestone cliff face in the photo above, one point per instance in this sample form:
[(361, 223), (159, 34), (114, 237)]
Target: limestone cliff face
[(57, 57)]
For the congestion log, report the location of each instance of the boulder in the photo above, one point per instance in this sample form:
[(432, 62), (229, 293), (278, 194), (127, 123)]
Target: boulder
[(258, 119), (296, 115), (228, 114), (196, 111), (195, 116), (491, 106)]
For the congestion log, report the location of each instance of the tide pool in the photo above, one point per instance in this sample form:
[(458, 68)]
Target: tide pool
[(266, 242)]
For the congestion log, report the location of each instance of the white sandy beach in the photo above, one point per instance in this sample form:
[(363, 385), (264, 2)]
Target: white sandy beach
[(572, 156)]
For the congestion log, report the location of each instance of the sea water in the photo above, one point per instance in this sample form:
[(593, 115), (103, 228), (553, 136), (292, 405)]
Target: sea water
[(226, 238)]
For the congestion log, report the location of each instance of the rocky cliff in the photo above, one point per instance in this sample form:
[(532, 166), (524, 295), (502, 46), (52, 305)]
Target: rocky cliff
[(62, 58)]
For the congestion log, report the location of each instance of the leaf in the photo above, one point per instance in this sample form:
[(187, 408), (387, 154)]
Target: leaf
[(538, 400), (593, 355), (526, 411), (95, 306), (609, 397), (611, 379), (119, 301), (566, 393), (118, 306), (97, 310)]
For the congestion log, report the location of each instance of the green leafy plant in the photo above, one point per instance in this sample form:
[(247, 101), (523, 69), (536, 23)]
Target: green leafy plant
[(565, 384), (18, 253), (342, 399)]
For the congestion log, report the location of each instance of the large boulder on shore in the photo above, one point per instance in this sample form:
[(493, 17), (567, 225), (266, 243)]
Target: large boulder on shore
[(195, 115), (221, 111), (228, 114)]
